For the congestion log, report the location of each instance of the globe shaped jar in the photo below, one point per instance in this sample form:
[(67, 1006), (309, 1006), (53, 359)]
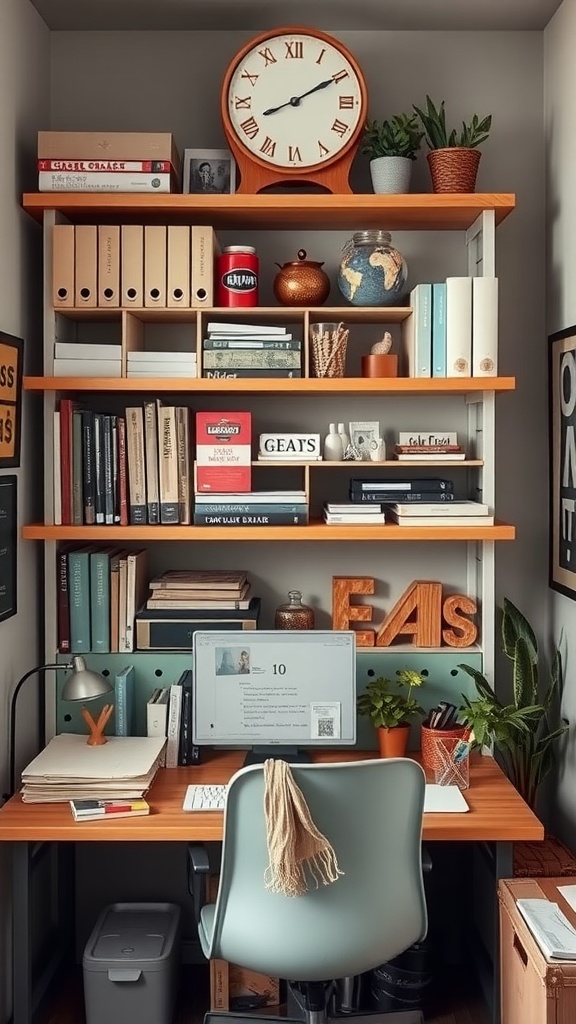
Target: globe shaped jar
[(294, 614), (372, 272)]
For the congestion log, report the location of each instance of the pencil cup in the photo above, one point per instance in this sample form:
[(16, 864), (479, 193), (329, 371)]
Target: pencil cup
[(450, 770), (328, 349), (429, 738)]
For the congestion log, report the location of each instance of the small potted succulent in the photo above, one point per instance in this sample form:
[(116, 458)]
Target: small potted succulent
[(454, 155), (392, 145), (391, 708)]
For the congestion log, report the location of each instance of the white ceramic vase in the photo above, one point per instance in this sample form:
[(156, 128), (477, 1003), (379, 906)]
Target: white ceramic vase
[(333, 451), (391, 174)]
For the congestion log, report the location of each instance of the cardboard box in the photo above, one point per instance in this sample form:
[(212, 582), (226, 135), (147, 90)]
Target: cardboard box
[(109, 146), (533, 990)]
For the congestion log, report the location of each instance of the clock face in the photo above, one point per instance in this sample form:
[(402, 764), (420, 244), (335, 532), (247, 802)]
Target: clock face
[(295, 100)]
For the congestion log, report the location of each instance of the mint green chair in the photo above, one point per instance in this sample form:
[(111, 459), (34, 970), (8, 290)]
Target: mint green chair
[(371, 813)]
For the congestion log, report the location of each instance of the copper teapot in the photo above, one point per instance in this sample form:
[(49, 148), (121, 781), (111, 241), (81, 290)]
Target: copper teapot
[(301, 282)]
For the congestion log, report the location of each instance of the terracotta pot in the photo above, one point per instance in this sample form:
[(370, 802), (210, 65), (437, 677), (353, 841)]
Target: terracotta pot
[(428, 742), (393, 742), (454, 169), (376, 365)]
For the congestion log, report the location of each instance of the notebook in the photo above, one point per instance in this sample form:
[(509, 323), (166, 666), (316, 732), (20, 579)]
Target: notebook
[(444, 799)]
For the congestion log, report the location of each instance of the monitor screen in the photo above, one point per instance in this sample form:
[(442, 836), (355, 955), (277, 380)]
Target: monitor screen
[(274, 688)]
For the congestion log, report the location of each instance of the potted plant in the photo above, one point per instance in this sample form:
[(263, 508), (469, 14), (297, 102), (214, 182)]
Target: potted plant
[(392, 145), (391, 708), (524, 731), (454, 156)]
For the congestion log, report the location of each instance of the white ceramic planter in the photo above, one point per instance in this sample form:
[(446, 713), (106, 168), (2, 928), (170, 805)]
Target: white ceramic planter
[(391, 174)]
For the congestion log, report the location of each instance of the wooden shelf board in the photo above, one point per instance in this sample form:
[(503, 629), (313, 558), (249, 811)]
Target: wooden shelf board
[(387, 464), (278, 386), (268, 211), (283, 314), (314, 531)]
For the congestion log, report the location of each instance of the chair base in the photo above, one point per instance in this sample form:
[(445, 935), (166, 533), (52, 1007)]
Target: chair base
[(299, 1008)]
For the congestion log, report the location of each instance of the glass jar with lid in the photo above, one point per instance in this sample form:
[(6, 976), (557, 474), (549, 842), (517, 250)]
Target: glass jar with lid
[(294, 614), (372, 271)]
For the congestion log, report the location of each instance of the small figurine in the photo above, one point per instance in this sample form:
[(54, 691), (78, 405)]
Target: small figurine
[(381, 348), (353, 454)]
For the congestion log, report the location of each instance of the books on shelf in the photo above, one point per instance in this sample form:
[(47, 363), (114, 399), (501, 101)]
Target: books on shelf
[(175, 598), (249, 498), (240, 328), (353, 519), (257, 517), (432, 522), (86, 367), (426, 483), (164, 629), (433, 452), (417, 335), (463, 507), (105, 181), (202, 580), (108, 810)]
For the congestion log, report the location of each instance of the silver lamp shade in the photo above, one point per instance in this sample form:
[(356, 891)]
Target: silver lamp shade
[(82, 683)]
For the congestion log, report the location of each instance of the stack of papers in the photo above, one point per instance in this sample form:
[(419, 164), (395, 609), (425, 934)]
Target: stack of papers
[(68, 768)]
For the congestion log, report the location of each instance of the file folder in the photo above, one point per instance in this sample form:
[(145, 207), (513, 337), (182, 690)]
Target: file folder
[(132, 264), (205, 248), (108, 265), (86, 242), (63, 265), (155, 264), (178, 289)]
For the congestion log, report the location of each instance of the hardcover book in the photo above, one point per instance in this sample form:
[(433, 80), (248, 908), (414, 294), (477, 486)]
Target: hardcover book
[(99, 810), (223, 451), (124, 701)]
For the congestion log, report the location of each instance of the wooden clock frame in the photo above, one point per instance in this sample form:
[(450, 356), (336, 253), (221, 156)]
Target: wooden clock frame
[(257, 174)]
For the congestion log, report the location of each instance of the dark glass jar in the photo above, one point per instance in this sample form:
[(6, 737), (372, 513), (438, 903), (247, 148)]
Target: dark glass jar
[(294, 614)]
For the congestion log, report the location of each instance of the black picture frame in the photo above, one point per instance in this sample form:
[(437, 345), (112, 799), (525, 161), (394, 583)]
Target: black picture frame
[(8, 546), (562, 461), (11, 358)]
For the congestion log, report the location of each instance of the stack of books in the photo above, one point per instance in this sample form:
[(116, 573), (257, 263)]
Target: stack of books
[(435, 514), (107, 162), (108, 810), (68, 769), (250, 350), (431, 452), (161, 364), (182, 601), (381, 490), (78, 359), (253, 508), (353, 513)]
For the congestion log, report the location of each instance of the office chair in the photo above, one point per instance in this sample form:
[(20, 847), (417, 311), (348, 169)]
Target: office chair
[(371, 813)]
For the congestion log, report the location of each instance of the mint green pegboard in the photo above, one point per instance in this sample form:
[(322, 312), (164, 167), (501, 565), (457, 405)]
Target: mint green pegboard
[(444, 681)]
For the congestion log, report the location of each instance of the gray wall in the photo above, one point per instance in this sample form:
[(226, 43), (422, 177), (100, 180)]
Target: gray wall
[(24, 84), (560, 111)]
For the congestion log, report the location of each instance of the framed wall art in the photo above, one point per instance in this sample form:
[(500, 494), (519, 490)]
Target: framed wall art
[(363, 435), (562, 461), (8, 546), (209, 172), (11, 354)]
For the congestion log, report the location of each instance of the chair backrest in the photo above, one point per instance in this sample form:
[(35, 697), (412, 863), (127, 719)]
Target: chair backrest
[(371, 813)]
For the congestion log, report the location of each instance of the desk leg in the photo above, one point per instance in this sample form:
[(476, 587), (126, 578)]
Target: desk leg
[(21, 933)]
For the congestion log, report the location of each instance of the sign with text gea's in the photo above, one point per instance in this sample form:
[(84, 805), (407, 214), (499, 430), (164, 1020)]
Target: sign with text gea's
[(10, 399)]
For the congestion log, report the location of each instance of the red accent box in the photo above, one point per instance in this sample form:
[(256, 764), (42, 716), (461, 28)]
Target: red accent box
[(223, 452)]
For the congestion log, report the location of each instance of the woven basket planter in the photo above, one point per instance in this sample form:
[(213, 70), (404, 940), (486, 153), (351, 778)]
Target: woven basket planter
[(454, 169)]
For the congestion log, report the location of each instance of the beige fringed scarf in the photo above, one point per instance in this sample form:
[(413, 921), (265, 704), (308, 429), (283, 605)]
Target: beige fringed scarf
[(294, 842)]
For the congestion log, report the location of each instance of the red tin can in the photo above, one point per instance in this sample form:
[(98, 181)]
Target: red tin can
[(237, 276)]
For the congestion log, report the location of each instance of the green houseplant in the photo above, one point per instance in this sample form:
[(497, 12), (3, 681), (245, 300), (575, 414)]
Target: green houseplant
[(454, 155), (523, 731), (392, 145), (391, 708)]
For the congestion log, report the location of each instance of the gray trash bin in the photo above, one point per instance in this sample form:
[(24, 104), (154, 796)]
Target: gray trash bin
[(131, 964)]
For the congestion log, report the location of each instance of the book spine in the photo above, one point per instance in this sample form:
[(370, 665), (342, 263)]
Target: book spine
[(122, 472), (241, 374), (114, 601), (388, 496), (100, 601), (89, 483), (417, 334), (183, 462), (63, 604), (136, 470), (79, 589), (109, 166), (262, 359), (254, 509), (168, 459), (173, 730), (458, 326), (185, 747), (151, 455), (424, 484), (246, 343), (204, 249), (247, 519), (108, 476), (123, 701), (99, 467), (77, 470), (406, 437), (66, 441), (103, 181), (163, 635), (115, 477), (439, 329), (240, 329), (484, 326)]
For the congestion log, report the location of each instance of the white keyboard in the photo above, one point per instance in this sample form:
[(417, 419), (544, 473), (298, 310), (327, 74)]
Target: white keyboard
[(205, 798), (550, 927)]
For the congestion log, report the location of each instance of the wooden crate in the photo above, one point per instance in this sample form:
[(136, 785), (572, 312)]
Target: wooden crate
[(533, 990)]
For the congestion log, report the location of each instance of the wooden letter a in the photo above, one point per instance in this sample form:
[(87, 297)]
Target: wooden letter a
[(425, 600)]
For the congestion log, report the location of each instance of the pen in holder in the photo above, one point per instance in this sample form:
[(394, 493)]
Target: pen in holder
[(453, 763)]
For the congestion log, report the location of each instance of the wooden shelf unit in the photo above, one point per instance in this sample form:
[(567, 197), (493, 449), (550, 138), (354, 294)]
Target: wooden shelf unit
[(272, 386)]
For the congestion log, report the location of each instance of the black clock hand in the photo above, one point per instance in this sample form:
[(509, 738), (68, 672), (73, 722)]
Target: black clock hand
[(294, 101)]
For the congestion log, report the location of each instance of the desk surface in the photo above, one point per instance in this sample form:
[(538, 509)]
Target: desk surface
[(497, 812)]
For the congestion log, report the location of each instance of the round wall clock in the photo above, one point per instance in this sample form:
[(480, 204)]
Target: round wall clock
[(294, 104)]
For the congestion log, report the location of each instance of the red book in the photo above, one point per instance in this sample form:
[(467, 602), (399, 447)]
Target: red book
[(223, 452), (107, 166)]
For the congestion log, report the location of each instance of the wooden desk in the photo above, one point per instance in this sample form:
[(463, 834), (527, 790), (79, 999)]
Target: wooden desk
[(497, 816)]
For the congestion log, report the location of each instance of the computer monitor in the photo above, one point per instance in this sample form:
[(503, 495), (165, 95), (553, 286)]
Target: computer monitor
[(275, 691)]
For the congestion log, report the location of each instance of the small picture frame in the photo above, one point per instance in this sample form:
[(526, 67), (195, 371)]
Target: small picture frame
[(11, 355), (208, 172), (364, 435)]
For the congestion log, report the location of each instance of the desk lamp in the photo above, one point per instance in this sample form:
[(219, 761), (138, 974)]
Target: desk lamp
[(81, 684)]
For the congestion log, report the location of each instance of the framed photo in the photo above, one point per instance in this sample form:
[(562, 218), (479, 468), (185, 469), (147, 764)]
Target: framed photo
[(209, 172), (562, 461), (363, 436), (11, 355), (8, 545)]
